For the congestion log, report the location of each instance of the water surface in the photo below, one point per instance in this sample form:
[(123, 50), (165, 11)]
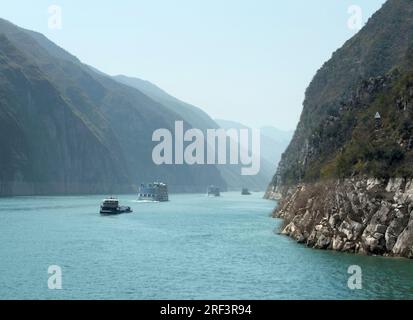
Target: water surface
[(193, 247)]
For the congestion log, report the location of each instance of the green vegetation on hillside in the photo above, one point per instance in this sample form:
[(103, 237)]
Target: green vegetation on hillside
[(337, 134), (379, 148)]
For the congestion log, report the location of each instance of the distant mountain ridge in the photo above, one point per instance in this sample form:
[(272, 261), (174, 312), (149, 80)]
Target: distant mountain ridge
[(273, 142), (192, 114), (75, 129), (92, 133), (199, 119)]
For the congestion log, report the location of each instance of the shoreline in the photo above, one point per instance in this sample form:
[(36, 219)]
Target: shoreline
[(359, 216)]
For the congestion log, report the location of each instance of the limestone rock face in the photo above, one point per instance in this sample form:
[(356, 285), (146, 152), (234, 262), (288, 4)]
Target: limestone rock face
[(368, 216)]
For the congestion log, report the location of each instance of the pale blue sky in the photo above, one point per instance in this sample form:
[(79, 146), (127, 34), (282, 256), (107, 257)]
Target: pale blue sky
[(243, 60)]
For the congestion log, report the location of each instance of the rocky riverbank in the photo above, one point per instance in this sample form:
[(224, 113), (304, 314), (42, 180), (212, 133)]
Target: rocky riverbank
[(366, 216)]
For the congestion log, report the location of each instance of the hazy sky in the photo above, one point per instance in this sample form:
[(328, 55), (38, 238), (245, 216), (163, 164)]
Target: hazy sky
[(244, 60)]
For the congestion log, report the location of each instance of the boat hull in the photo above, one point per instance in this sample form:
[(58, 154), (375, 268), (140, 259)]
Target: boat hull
[(155, 192), (154, 199), (110, 211)]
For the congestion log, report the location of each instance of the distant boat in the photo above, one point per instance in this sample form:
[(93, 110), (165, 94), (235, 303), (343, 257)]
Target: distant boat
[(213, 191), (245, 192), (156, 191), (110, 206)]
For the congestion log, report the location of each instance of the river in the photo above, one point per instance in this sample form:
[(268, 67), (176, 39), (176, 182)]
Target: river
[(192, 247)]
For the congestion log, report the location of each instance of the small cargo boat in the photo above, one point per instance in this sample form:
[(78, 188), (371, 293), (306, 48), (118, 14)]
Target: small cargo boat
[(110, 206)]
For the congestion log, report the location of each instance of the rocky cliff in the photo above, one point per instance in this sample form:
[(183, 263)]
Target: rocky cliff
[(370, 216), (345, 179)]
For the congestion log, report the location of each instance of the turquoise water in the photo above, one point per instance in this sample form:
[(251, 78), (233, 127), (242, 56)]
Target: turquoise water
[(193, 247)]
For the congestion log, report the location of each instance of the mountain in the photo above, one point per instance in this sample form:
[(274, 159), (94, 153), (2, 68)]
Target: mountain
[(198, 119), (267, 165), (192, 114), (373, 52), (345, 181), (228, 124), (281, 136), (273, 143), (70, 129)]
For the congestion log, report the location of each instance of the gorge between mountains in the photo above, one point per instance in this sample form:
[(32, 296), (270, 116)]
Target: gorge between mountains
[(67, 128), (344, 182), (289, 176)]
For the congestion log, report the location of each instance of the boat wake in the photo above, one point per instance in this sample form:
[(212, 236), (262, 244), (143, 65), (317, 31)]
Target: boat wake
[(144, 201)]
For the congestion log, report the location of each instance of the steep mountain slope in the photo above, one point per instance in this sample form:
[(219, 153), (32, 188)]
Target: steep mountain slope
[(373, 52), (193, 115), (42, 136), (120, 117), (345, 179)]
